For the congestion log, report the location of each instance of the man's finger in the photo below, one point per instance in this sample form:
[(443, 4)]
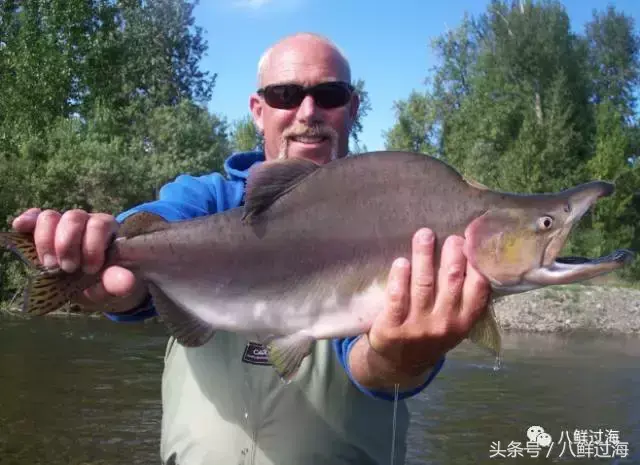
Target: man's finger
[(44, 237), (68, 239), (98, 233), (451, 275), (117, 292), (398, 294), (118, 281), (95, 294), (26, 222), (422, 271)]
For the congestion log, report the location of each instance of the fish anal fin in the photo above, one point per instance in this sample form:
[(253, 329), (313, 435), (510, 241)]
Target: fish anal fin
[(287, 353), (141, 223), (270, 180), (486, 333), (188, 329)]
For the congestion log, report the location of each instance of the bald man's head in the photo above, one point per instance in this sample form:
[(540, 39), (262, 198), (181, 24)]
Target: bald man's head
[(293, 123), (304, 41)]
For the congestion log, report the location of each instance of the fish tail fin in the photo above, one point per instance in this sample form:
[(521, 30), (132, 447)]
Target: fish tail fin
[(47, 290), (21, 245)]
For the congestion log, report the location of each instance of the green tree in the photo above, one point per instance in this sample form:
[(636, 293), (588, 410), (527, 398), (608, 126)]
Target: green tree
[(163, 49), (60, 59), (617, 218), (245, 135), (103, 102), (414, 128), (363, 111), (614, 68), (527, 97), (38, 65), (613, 59)]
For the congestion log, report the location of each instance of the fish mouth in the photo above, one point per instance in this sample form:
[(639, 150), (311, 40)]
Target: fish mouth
[(565, 270), (578, 201), (553, 269)]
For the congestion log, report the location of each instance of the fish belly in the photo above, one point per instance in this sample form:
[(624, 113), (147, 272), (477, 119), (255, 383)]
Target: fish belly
[(319, 311)]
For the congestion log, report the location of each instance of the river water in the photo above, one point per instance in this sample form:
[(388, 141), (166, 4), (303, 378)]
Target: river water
[(79, 391)]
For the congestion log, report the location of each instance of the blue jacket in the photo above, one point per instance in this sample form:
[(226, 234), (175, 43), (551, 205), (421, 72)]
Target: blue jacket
[(188, 197)]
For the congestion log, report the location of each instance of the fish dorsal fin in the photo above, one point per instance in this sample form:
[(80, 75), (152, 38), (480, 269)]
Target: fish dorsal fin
[(271, 180), (476, 184), (141, 223)]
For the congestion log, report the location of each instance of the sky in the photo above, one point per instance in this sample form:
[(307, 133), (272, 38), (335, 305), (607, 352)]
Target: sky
[(387, 44)]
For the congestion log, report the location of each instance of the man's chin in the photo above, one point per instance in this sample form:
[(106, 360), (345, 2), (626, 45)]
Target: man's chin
[(319, 153)]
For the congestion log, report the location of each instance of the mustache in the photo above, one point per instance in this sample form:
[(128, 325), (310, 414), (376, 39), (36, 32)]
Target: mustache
[(314, 130), (305, 130)]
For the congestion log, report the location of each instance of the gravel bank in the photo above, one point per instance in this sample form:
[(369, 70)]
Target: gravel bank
[(570, 308)]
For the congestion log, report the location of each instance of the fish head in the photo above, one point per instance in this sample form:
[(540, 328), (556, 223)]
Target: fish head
[(515, 245)]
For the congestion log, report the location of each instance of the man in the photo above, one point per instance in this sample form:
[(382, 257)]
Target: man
[(222, 403)]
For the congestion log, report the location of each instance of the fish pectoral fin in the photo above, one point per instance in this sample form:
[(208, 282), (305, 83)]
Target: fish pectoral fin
[(188, 329), (271, 180), (486, 332), (287, 353)]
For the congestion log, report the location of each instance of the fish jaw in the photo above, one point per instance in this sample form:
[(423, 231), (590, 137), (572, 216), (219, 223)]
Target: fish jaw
[(567, 270)]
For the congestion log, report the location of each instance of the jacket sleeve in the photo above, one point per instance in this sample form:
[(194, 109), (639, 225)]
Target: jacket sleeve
[(342, 348), (186, 197)]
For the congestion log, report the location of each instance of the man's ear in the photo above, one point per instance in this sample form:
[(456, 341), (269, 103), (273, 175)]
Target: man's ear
[(355, 105), (256, 107)]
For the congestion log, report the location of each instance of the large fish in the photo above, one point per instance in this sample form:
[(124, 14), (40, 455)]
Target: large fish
[(307, 257)]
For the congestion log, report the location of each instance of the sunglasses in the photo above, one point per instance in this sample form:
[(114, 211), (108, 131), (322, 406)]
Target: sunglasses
[(327, 95)]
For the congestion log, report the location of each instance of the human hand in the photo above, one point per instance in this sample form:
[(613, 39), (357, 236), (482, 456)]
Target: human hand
[(427, 313), (78, 240)]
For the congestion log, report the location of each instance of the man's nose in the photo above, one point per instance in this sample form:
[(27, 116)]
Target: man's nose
[(308, 111)]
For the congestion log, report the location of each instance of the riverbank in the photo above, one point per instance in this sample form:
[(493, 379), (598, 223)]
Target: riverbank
[(604, 309), (569, 308)]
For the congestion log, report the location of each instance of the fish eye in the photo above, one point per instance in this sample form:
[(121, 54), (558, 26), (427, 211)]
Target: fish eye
[(545, 222)]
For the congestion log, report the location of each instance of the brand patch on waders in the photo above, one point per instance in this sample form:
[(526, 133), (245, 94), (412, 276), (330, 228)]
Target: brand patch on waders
[(255, 354)]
